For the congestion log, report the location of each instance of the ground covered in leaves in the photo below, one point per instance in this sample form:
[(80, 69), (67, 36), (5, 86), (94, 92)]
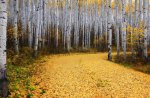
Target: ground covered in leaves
[(81, 76)]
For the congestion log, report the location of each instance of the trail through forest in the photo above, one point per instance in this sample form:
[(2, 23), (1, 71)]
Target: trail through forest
[(88, 76)]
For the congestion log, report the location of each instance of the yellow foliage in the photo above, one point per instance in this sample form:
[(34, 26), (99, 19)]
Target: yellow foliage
[(127, 9), (135, 34), (113, 5)]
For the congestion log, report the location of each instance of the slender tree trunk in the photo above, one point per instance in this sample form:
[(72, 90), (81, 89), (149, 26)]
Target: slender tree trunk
[(44, 24), (110, 32), (83, 25), (96, 25), (117, 27), (29, 24), (76, 37), (37, 30), (106, 21), (101, 25), (145, 7), (15, 27), (57, 23), (67, 27), (124, 27), (3, 31), (140, 53), (131, 25)]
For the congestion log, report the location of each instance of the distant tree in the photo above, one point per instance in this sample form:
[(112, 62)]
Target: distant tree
[(36, 42), (109, 31), (145, 11), (15, 26), (124, 23)]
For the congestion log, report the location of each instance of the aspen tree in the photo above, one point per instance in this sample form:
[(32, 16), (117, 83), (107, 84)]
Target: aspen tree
[(109, 32), (29, 24), (117, 26), (37, 28), (15, 26), (57, 22), (3, 34), (145, 10), (124, 27)]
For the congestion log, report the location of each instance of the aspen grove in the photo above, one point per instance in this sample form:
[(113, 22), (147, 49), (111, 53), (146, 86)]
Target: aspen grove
[(80, 25), (75, 25)]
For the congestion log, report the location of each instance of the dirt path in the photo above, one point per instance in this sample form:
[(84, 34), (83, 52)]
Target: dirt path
[(88, 76)]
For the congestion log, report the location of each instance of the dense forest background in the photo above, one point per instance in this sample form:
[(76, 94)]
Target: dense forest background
[(79, 25)]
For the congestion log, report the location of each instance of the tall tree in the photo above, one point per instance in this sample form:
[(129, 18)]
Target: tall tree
[(29, 23), (36, 43), (15, 26), (145, 10), (57, 22), (131, 25), (124, 27), (106, 20), (67, 27), (76, 15), (140, 22), (117, 26), (3, 27), (109, 31)]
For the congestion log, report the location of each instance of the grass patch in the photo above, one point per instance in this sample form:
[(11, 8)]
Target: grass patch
[(29, 95), (102, 83), (20, 69), (43, 91)]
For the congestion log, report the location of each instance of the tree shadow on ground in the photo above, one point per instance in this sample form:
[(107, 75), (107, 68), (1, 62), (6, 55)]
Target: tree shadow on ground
[(135, 63)]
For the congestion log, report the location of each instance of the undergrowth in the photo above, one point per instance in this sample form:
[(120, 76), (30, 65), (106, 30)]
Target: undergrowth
[(20, 68), (135, 63)]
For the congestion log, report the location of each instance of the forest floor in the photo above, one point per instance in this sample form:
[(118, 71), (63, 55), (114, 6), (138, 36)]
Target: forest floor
[(82, 75)]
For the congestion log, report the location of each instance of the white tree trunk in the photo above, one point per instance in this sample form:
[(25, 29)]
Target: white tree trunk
[(29, 24), (76, 37), (145, 7), (3, 31), (37, 29), (57, 22), (124, 27), (67, 27), (15, 27), (117, 27), (109, 32), (106, 20)]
